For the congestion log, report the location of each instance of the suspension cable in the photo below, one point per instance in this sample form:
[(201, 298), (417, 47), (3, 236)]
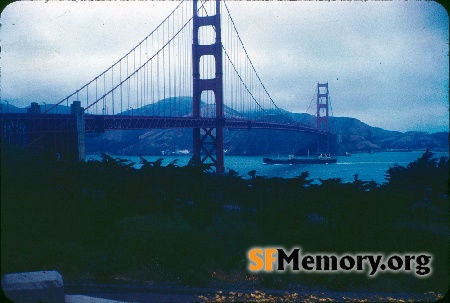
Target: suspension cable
[(133, 49), (139, 68), (256, 73)]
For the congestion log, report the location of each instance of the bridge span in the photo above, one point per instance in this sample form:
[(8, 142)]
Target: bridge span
[(185, 55), (64, 134)]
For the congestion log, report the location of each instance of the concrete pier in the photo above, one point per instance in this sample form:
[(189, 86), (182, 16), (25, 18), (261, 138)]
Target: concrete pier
[(78, 112)]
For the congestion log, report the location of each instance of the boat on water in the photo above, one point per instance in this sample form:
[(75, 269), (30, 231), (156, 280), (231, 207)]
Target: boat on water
[(321, 159)]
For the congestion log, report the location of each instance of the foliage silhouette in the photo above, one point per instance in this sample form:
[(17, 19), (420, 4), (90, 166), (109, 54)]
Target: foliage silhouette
[(103, 219)]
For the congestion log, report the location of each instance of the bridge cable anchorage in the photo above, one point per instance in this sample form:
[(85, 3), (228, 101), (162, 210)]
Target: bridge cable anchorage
[(118, 61)]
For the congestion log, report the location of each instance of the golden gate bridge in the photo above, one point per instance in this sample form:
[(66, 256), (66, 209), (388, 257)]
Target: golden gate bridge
[(195, 52)]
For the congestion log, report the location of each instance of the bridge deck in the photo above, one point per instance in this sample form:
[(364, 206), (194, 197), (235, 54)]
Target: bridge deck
[(96, 123), (101, 123)]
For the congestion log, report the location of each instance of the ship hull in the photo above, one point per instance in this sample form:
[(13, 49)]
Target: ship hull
[(299, 161)]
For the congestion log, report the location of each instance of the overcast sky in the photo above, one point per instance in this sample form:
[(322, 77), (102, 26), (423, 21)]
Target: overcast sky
[(386, 62)]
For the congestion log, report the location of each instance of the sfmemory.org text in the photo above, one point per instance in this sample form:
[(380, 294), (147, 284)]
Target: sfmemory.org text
[(271, 259)]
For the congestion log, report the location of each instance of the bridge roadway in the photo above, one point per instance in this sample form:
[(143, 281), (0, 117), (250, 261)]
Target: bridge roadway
[(101, 123), (64, 134)]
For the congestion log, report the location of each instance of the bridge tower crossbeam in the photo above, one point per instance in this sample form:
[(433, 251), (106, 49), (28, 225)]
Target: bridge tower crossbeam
[(208, 140), (322, 106), (323, 113)]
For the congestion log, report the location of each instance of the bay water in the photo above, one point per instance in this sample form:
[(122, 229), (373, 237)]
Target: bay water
[(368, 166)]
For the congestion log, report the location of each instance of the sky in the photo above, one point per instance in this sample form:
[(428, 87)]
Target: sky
[(386, 62)]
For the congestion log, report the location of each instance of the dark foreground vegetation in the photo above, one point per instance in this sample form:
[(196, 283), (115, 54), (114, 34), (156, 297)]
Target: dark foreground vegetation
[(105, 220)]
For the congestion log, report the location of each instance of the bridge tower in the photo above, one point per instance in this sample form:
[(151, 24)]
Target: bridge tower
[(208, 140), (322, 114)]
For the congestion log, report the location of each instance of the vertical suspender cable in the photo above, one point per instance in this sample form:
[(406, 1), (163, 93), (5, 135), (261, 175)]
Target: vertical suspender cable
[(141, 81), (151, 82), (175, 50), (104, 90), (87, 96), (164, 73), (128, 88), (96, 96), (134, 77), (157, 75), (169, 68), (121, 92), (146, 83), (112, 85)]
